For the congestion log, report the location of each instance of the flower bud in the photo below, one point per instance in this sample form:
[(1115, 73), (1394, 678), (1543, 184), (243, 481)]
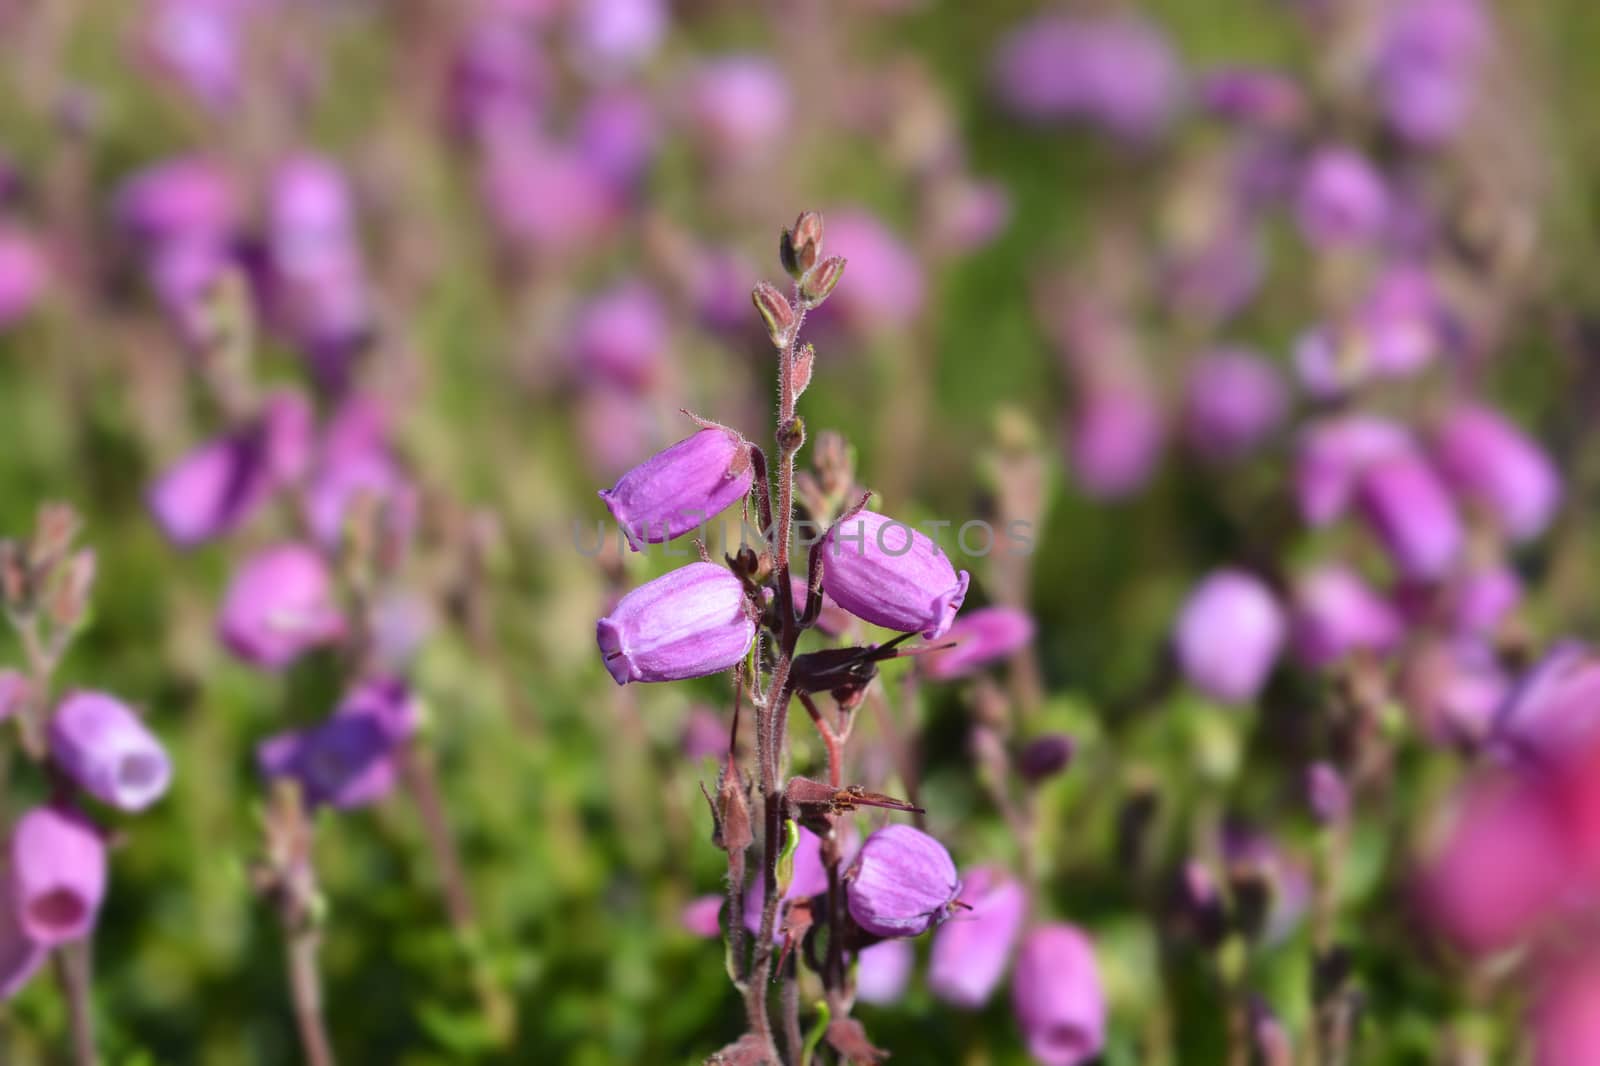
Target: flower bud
[(971, 950), (58, 872), (279, 605), (349, 760), (887, 288), (1336, 613), (818, 283), (688, 623), (986, 635), (884, 970), (20, 954), (1045, 756), (805, 241), (1492, 462), (902, 883), (805, 360), (887, 573), (776, 312), (1412, 514), (104, 747), (681, 488), (1056, 993), (1228, 635)]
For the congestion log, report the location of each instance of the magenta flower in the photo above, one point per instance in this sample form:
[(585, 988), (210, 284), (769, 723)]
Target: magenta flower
[(984, 636), (620, 337), (182, 200), (279, 605), (702, 916), (1228, 635), (739, 106), (971, 950), (1453, 687), (1253, 96), (545, 194), (1114, 437), (1565, 1014), (1327, 794), (1342, 198), (1555, 708), (833, 620), (1056, 993), (24, 273), (688, 623), (104, 747), (884, 970), (1331, 457), (199, 45), (617, 133), (886, 289), (613, 36), (354, 464), (1412, 515), (1233, 400), (218, 487), (1427, 63), (498, 78), (20, 954), (1491, 462), (682, 488), (902, 883), (808, 878), (891, 575), (351, 759), (58, 874), (1336, 612)]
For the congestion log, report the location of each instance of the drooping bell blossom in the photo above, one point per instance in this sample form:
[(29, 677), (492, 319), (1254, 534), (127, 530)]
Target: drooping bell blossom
[(612, 37), (58, 874), (691, 622), (20, 955), (984, 636), (1045, 756), (218, 487), (617, 132), (498, 78), (354, 464), (24, 273), (1335, 612), (885, 287), (1253, 96), (1057, 997), (620, 337), (1411, 513), (883, 971), (902, 883), (1116, 72), (280, 604), (1115, 435), (971, 950), (704, 734), (1331, 456), (1342, 199), (1565, 1014), (1228, 635), (682, 488), (702, 916), (1427, 64), (107, 750), (1494, 464), (738, 106), (545, 194), (1453, 688), (1233, 401), (350, 759), (891, 575), (181, 200), (199, 45), (1554, 708)]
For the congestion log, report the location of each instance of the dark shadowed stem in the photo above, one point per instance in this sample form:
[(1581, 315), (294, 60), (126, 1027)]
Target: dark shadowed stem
[(422, 782), (305, 987), (73, 969)]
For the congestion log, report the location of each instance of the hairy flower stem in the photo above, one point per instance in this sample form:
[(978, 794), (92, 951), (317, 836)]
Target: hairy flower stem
[(305, 988)]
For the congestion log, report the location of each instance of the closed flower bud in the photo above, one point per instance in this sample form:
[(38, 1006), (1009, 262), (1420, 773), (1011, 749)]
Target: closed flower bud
[(278, 606), (806, 240), (903, 883), (970, 952), (817, 284), (58, 872), (1228, 636), (104, 747), (681, 488), (689, 623), (1045, 756), (1412, 514), (1493, 463), (776, 312), (986, 635), (884, 970), (351, 759), (1056, 993), (1336, 613), (887, 573), (20, 954)]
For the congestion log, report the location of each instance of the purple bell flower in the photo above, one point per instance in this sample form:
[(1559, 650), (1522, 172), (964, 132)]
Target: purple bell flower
[(1234, 399), (104, 747), (1453, 688), (1427, 64), (884, 970), (984, 636), (691, 622), (545, 194), (1412, 514), (497, 79), (218, 487), (1336, 612), (617, 132), (351, 759), (902, 883), (279, 605), (24, 273), (1056, 993), (199, 46), (58, 874), (1490, 461), (1228, 636), (702, 916), (1332, 455), (620, 337), (1115, 435), (613, 36), (739, 106), (808, 878), (884, 286), (891, 575), (20, 954), (972, 949), (681, 488), (354, 464), (182, 200), (1555, 708), (1342, 199)]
